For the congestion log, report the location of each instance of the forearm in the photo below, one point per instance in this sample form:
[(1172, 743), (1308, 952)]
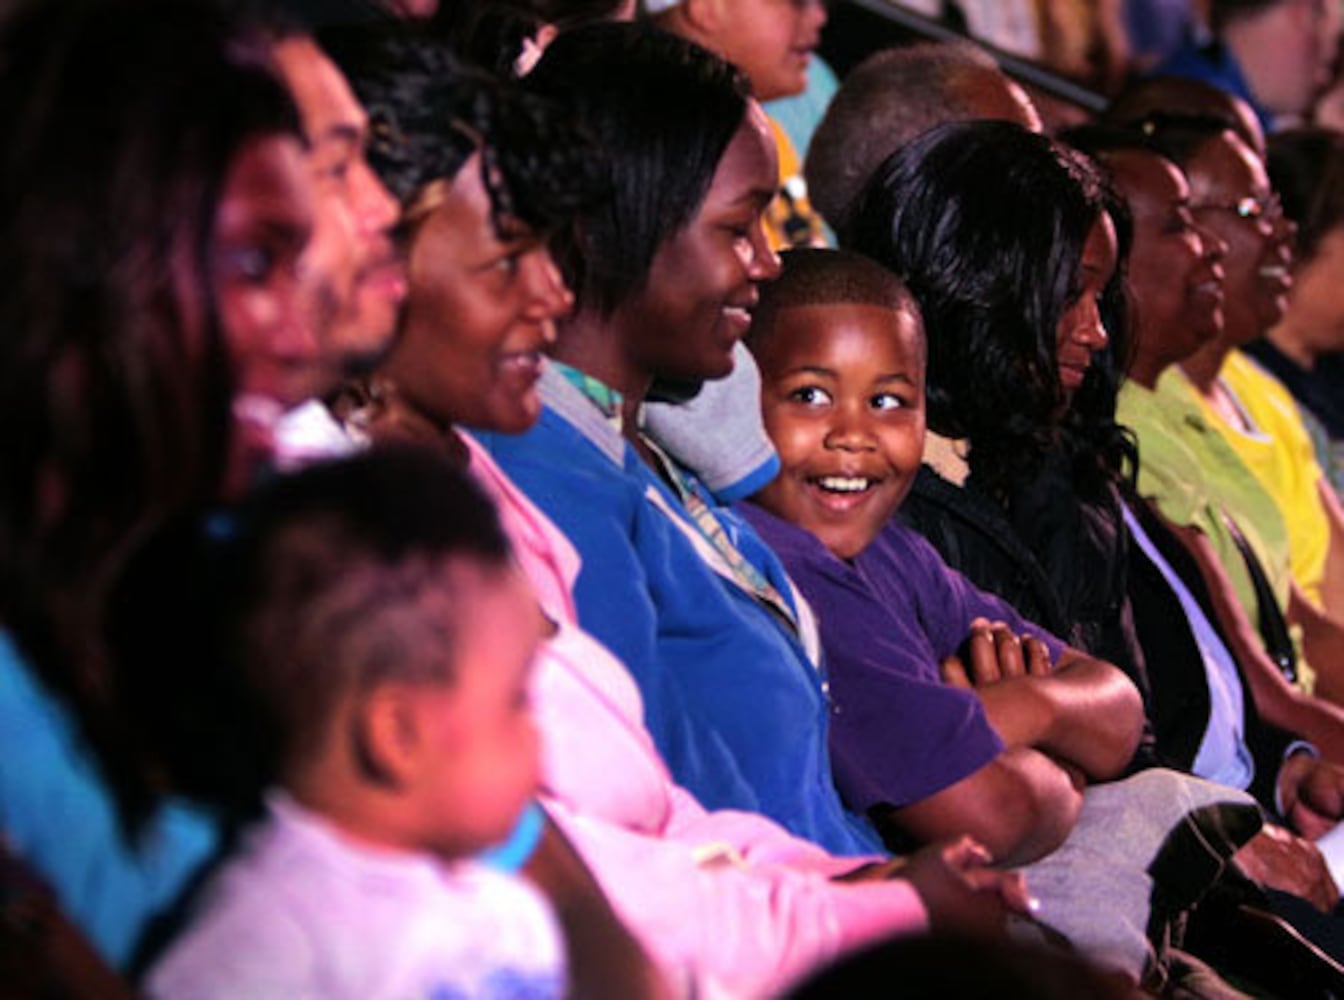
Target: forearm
[(1276, 699), (749, 928), (1086, 713), (605, 959), (1316, 720), (1020, 806), (1322, 644)]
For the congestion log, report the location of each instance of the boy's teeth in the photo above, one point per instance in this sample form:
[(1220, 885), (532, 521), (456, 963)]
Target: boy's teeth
[(843, 484)]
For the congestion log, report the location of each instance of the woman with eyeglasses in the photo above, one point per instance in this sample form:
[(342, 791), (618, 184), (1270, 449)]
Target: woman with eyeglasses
[(1223, 703), (1231, 197)]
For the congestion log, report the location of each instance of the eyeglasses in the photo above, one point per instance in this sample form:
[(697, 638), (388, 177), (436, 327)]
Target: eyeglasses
[(1269, 208)]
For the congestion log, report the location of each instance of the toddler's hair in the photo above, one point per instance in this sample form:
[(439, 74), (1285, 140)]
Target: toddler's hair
[(240, 633)]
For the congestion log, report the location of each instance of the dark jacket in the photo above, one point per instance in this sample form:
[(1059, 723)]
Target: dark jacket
[(1060, 561), (1180, 690)]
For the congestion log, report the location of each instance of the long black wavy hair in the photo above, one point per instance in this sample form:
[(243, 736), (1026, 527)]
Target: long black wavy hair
[(986, 222)]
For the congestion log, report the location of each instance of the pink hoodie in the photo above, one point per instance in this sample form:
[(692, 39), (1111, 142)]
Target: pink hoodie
[(730, 897)]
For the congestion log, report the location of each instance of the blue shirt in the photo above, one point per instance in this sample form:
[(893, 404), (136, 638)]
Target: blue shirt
[(1214, 63), (1156, 28), (58, 816), (734, 704), (801, 113)]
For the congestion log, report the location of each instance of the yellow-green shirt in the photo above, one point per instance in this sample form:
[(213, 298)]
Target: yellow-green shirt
[(1280, 454), (1192, 475), (1190, 472)]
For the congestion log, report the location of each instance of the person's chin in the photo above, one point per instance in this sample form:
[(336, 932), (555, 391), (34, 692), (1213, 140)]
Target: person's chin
[(722, 368), (1201, 337), (847, 541), (376, 321), (1269, 314), (514, 417), (367, 344)]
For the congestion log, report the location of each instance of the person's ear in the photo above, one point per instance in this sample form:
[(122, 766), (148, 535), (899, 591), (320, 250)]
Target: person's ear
[(386, 736), (704, 18)]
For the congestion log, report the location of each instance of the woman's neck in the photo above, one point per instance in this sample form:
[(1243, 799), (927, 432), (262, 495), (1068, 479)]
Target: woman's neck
[(1227, 406), (1202, 367), (1144, 370), (388, 416), (1149, 361), (595, 346)]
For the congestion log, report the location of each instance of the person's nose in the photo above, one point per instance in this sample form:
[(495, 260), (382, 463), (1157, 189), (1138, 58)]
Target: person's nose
[(763, 264), (549, 297), (1213, 247), (850, 429), (376, 211), (1090, 331)]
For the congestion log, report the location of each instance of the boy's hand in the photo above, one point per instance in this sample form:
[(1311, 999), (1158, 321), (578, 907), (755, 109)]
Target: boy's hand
[(994, 652), (959, 889)]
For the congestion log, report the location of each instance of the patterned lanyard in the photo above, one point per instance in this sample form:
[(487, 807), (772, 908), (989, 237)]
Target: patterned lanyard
[(706, 523), (604, 397)]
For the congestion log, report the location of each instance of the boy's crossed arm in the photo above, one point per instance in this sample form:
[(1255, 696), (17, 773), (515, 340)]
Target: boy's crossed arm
[(1062, 724), (1081, 711), (1020, 806)]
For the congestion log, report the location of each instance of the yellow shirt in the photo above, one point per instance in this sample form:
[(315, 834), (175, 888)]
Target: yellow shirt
[(1278, 451), (790, 220)]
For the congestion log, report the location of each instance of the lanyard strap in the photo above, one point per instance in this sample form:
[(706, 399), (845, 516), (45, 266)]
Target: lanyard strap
[(730, 563), (707, 523)]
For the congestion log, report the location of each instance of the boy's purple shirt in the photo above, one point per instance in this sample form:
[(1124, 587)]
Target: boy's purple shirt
[(888, 618)]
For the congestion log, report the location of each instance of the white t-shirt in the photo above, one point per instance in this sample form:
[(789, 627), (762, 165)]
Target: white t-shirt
[(302, 912)]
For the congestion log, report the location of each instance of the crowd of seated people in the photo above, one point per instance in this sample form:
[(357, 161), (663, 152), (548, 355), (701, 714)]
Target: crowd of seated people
[(497, 504)]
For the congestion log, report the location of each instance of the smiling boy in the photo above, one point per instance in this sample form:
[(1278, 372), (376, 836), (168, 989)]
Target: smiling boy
[(1000, 748), (950, 713)]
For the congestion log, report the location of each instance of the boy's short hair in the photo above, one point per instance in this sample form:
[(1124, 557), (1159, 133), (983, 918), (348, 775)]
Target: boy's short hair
[(813, 276), (240, 638)]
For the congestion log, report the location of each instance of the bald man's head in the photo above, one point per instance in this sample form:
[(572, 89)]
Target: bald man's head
[(893, 96)]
